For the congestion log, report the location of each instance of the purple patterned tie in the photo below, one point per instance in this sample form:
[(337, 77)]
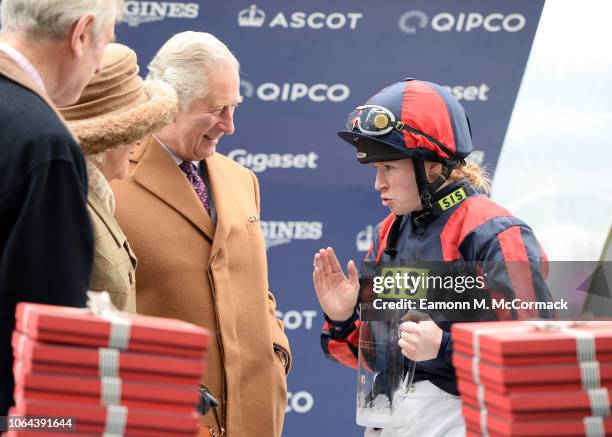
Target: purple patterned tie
[(197, 182)]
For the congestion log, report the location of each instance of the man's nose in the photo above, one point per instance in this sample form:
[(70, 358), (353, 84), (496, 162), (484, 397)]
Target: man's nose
[(227, 121)]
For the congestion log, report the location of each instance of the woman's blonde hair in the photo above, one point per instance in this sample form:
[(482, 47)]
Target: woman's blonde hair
[(477, 176)]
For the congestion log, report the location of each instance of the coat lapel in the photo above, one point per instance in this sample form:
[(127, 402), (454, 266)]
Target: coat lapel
[(220, 182), (113, 227), (159, 174)]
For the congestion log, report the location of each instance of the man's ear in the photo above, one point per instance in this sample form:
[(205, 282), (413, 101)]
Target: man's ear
[(82, 34)]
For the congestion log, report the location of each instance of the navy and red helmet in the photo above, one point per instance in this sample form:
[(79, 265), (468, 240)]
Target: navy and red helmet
[(410, 119)]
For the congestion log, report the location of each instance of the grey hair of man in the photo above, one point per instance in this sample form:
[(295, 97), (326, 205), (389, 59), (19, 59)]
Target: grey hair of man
[(55, 18), (186, 60)]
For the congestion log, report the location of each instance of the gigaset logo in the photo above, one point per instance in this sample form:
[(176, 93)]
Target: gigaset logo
[(259, 162)]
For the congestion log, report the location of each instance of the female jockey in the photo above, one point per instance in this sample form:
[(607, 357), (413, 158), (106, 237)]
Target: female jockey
[(417, 135)]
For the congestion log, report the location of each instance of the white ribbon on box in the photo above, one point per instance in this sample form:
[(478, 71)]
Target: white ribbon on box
[(100, 305), (594, 427), (110, 390), (589, 372), (116, 418), (476, 373)]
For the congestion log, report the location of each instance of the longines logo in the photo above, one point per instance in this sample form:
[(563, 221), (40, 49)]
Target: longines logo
[(291, 92), (277, 232), (412, 21), (139, 12), (255, 17)]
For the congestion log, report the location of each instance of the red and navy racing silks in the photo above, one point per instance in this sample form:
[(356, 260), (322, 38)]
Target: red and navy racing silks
[(473, 229)]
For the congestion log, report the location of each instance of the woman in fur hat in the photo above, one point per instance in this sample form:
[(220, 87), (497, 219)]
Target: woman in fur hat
[(115, 111)]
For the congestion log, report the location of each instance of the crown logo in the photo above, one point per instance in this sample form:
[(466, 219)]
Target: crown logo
[(251, 17)]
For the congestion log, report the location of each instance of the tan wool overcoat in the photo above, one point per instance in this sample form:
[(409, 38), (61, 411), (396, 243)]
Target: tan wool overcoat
[(213, 276), (114, 262)]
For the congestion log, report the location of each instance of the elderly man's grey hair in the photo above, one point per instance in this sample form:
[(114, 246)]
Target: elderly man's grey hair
[(54, 18), (185, 61)]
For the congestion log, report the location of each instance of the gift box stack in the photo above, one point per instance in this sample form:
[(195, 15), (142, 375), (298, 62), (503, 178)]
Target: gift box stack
[(535, 378), (115, 374)]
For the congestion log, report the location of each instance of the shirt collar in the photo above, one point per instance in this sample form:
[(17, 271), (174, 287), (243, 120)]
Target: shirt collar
[(24, 64), (424, 217), (176, 159)]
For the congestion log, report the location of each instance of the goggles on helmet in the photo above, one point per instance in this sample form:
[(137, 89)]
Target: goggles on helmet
[(373, 120)]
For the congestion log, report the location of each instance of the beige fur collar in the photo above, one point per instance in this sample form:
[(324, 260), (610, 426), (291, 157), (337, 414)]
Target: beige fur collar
[(98, 186)]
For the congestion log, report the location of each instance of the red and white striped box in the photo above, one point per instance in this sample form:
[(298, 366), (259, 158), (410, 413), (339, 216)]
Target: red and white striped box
[(106, 391), (499, 427), (138, 333), (37, 357), (530, 378), (532, 342), (534, 405), (535, 378)]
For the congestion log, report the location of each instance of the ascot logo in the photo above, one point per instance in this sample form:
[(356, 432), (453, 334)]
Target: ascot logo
[(139, 12), (293, 320), (411, 21), (255, 17), (277, 233), (292, 92), (251, 17)]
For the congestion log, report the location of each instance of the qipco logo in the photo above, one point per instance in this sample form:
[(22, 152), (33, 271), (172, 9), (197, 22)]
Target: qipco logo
[(413, 21), (496, 22), (299, 402), (293, 92)]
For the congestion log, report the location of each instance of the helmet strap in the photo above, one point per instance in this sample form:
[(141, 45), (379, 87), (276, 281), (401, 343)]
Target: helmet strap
[(391, 248), (426, 189)]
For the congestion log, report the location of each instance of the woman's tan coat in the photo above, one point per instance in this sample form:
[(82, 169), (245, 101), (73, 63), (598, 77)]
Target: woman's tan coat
[(114, 261), (215, 277)]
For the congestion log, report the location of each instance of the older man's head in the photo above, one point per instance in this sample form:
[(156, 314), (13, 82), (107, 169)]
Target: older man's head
[(66, 39), (205, 75)]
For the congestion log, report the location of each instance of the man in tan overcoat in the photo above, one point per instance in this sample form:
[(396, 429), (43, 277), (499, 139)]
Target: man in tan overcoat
[(192, 218)]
